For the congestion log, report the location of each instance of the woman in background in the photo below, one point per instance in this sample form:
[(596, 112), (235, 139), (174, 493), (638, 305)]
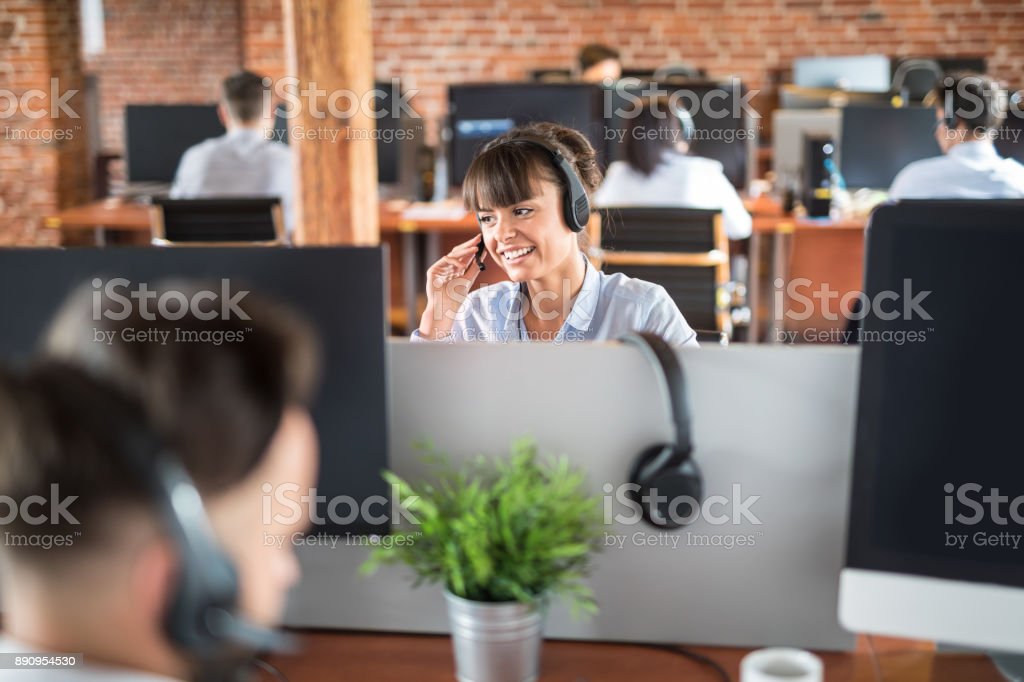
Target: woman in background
[(529, 190), (658, 171)]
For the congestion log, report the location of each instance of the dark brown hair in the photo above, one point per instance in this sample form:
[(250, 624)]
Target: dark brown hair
[(243, 93), (505, 174), (652, 132), (595, 53), (214, 394), (972, 98)]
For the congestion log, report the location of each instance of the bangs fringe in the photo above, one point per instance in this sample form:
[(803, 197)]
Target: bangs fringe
[(504, 175)]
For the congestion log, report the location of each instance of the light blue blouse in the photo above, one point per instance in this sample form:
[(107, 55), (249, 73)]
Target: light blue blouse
[(606, 307)]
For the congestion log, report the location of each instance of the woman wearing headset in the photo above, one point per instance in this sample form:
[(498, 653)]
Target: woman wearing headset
[(660, 171), (530, 191)]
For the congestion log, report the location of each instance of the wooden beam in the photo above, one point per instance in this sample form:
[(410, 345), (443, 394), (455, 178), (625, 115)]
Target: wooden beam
[(329, 44)]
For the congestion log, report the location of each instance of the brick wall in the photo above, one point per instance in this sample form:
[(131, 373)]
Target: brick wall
[(431, 43), (163, 52), (178, 51), (43, 159)]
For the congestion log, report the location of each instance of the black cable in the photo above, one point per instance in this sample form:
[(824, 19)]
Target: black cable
[(267, 668), (689, 654)]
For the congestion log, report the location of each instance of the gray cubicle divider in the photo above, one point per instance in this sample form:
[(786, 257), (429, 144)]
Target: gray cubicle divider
[(770, 422)]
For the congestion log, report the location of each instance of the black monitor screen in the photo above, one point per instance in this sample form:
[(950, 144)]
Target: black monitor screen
[(1010, 137), (878, 142), (938, 484), (479, 113), (157, 135), (350, 409), (725, 131)]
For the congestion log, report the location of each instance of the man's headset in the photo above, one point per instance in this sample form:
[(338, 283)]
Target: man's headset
[(202, 619), (667, 472), (575, 202)]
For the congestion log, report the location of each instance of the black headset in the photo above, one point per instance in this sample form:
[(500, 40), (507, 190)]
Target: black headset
[(686, 122), (575, 202), (667, 470), (202, 619)]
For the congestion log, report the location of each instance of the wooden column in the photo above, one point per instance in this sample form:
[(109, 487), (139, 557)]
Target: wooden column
[(330, 44)]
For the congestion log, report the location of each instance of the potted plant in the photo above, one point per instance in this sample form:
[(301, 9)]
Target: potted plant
[(503, 536)]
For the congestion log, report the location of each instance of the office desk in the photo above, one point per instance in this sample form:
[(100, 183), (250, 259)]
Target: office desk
[(837, 245), (331, 656)]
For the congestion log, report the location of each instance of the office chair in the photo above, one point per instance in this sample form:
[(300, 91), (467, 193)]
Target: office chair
[(915, 78), (677, 72), (217, 222), (551, 76), (684, 250)]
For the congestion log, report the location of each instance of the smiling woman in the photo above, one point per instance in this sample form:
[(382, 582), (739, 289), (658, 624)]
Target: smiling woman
[(530, 190)]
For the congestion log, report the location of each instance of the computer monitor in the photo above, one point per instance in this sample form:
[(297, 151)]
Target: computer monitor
[(350, 410), (790, 127), (480, 112), (724, 130), (934, 543), (876, 143), (859, 73), (157, 135), (1010, 137)]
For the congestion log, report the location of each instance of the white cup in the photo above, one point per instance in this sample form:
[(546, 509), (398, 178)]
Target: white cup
[(781, 665)]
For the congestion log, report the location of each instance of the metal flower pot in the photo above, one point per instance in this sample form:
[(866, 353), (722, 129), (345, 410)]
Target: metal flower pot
[(495, 642)]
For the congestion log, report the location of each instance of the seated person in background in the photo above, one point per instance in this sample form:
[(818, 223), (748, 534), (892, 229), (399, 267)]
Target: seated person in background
[(234, 416), (599, 64), (517, 187), (969, 109), (659, 172), (243, 162)]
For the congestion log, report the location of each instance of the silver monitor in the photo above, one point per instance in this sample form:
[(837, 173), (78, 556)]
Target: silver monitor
[(936, 534), (856, 73), (790, 127)]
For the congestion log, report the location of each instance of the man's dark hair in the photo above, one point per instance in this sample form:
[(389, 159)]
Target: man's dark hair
[(595, 53), (243, 93), (214, 395), (973, 99)]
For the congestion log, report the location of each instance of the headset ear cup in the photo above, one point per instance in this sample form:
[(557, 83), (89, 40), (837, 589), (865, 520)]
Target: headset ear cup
[(669, 497)]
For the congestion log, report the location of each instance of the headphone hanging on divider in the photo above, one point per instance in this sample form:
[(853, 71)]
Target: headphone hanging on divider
[(667, 470), (202, 618)]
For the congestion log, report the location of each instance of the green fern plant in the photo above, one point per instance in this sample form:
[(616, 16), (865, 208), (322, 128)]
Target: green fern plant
[(500, 530)]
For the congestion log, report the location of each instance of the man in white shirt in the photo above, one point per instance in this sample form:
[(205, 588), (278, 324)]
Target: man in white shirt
[(969, 111), (244, 162), (94, 566)]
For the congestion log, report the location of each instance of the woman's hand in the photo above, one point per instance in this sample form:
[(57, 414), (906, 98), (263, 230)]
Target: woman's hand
[(448, 284)]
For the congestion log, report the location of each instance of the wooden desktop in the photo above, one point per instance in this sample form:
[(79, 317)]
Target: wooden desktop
[(333, 656)]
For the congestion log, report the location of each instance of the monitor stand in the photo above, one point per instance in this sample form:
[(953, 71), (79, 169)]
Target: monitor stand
[(1010, 665)]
